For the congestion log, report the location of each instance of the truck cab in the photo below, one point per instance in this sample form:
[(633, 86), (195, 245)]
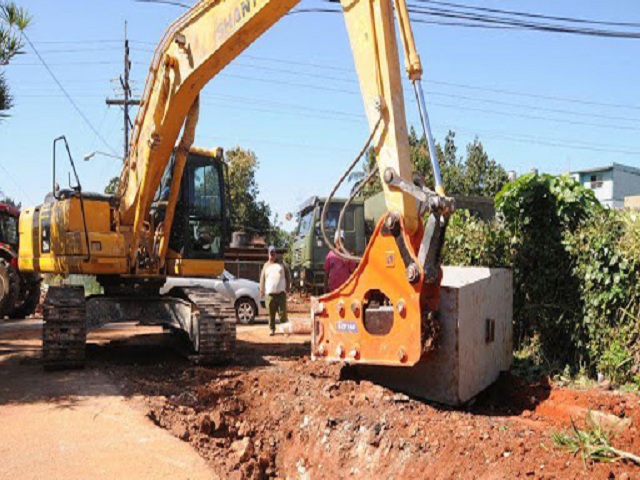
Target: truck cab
[(308, 250), (19, 293), (8, 231)]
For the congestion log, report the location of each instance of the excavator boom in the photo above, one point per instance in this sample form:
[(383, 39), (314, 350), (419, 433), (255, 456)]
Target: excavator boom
[(210, 36)]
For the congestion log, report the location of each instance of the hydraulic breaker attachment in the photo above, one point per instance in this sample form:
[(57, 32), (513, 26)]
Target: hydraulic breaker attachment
[(385, 313)]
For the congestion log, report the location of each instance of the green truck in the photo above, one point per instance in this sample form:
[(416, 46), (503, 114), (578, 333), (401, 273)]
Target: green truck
[(308, 250)]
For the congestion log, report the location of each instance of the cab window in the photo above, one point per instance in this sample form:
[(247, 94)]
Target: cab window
[(207, 198), (8, 229)]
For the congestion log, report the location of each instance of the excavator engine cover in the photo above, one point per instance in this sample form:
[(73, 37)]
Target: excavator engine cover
[(382, 315)]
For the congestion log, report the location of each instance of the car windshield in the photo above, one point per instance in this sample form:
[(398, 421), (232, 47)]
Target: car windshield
[(8, 229)]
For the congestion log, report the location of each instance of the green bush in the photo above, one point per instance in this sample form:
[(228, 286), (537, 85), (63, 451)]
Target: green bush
[(608, 274), (538, 212), (575, 267), (474, 242)]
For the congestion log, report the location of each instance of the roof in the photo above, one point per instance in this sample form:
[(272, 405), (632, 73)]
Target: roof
[(611, 166), (312, 201)]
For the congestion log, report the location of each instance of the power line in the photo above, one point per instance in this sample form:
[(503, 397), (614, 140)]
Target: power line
[(75, 42), (462, 18), (536, 117), (456, 96), (453, 84), (15, 182), (471, 98), (439, 82), (66, 94), (581, 145), (538, 96), (529, 14), (58, 64), (353, 81), (79, 50), (166, 2), (434, 93), (514, 19), (496, 112), (530, 107), (492, 20), (480, 17)]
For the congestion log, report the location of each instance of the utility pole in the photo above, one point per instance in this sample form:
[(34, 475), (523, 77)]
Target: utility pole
[(127, 101)]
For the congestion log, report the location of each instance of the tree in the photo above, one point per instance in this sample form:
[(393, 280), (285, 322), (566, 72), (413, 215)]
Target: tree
[(112, 186), (246, 211), (482, 176), (476, 174), (13, 21)]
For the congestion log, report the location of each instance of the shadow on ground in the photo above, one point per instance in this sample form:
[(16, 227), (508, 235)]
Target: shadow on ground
[(129, 360), (117, 359)]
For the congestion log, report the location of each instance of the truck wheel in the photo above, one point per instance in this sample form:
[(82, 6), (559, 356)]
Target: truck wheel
[(30, 300), (246, 311), (9, 288)]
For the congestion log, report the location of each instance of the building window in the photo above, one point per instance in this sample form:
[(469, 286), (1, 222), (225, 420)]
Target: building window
[(596, 181)]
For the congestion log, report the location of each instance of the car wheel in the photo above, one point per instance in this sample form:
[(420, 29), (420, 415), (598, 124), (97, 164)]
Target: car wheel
[(246, 311)]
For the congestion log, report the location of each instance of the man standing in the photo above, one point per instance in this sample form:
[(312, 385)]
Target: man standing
[(337, 270), (274, 286)]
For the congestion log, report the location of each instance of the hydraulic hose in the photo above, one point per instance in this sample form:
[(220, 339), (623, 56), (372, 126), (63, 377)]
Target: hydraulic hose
[(323, 217)]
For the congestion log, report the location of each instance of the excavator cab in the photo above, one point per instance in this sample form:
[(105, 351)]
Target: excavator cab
[(200, 226)]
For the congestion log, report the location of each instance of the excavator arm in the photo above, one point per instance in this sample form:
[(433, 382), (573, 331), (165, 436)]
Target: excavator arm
[(386, 313), (209, 37)]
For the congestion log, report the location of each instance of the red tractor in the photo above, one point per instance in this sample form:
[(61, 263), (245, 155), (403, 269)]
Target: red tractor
[(19, 293)]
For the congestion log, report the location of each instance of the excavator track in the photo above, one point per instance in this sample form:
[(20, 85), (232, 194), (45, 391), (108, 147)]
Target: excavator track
[(64, 334), (214, 334)]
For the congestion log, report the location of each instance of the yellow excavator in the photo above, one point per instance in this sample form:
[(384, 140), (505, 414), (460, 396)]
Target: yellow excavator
[(169, 216)]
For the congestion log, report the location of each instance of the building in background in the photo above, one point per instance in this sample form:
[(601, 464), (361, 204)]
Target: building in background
[(611, 183)]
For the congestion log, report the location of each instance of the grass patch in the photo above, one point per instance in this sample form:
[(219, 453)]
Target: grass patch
[(592, 443)]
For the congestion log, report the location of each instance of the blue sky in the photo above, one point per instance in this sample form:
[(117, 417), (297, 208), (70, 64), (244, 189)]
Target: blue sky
[(550, 101)]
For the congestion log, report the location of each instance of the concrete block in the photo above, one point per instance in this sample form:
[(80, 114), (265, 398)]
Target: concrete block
[(475, 344)]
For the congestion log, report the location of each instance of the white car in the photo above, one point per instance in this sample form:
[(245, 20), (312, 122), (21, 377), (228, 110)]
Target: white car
[(245, 294)]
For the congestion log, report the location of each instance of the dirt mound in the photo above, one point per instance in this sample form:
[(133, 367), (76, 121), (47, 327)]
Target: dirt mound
[(276, 414), (288, 417)]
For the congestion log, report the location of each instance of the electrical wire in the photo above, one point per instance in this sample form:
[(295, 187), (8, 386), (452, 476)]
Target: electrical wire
[(15, 182), (528, 14), (57, 64), (343, 116), (524, 21), (66, 94), (441, 94), (445, 105), (577, 101)]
